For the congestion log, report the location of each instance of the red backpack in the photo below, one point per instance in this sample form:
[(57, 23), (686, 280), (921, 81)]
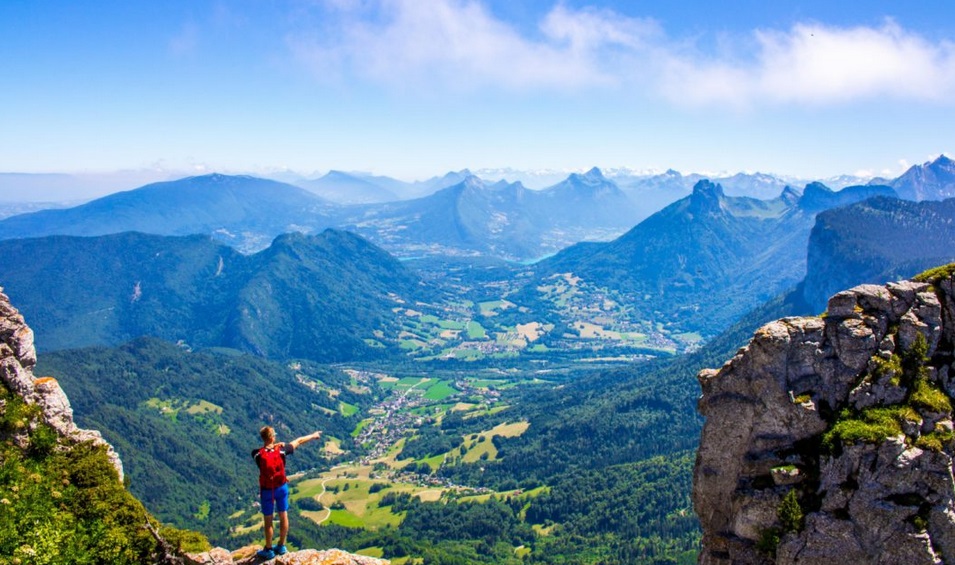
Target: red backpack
[(271, 468)]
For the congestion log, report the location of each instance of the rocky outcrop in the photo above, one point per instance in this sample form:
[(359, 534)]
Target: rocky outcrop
[(829, 440), (17, 360), (246, 556)]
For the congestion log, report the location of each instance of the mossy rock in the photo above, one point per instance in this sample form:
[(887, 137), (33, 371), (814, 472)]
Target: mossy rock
[(936, 274)]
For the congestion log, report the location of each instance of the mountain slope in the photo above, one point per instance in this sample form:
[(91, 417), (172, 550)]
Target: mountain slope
[(501, 219), (318, 297), (933, 180), (876, 241), (703, 261), (185, 422), (246, 212), (345, 188)]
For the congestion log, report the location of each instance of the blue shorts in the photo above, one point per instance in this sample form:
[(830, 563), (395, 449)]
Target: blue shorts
[(274, 500)]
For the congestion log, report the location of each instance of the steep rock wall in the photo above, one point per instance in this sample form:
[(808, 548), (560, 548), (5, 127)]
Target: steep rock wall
[(852, 414), (17, 360)]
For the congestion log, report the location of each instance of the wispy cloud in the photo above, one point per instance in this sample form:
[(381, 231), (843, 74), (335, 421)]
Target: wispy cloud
[(817, 64), (460, 44)]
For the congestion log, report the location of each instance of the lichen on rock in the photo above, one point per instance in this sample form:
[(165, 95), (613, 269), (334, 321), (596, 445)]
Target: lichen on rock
[(851, 412)]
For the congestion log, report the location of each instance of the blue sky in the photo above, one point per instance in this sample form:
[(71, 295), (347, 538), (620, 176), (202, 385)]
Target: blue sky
[(414, 88)]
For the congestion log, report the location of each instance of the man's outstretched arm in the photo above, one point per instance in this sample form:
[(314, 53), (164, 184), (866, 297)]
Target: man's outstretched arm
[(304, 439)]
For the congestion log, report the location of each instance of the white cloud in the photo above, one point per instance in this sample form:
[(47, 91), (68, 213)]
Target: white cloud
[(460, 44), (816, 64)]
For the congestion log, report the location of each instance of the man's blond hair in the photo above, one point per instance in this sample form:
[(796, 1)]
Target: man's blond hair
[(267, 433)]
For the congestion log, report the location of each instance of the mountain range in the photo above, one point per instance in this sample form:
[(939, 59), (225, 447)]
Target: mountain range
[(322, 297), (457, 214), (469, 217), (702, 262), (246, 212)]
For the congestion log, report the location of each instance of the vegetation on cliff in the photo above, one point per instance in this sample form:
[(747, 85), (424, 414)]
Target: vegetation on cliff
[(64, 503)]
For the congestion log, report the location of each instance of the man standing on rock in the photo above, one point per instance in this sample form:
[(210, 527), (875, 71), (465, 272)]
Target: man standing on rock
[(273, 485)]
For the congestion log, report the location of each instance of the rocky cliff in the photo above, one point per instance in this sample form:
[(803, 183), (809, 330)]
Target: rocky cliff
[(17, 359), (830, 439)]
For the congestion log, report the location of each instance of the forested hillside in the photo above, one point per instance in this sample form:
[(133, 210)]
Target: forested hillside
[(322, 297), (875, 241), (184, 423)]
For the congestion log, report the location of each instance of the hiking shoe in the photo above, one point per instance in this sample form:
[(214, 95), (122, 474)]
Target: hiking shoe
[(281, 550), (266, 553)]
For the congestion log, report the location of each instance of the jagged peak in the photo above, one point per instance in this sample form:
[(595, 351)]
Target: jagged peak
[(943, 162), (593, 176), (790, 195), (705, 188), (707, 197)]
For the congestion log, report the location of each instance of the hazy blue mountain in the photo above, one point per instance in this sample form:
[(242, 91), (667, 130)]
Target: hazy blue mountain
[(501, 219), (8, 209), (653, 193), (700, 263), (421, 189), (876, 241), (933, 180), (346, 188), (585, 199), (817, 196), (467, 218), (753, 185), (320, 297), (246, 212)]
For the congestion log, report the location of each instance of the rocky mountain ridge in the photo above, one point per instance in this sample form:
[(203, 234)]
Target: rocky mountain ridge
[(830, 439)]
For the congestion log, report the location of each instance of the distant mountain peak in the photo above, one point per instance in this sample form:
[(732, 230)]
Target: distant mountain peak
[(592, 177), (790, 195), (929, 181), (943, 161), (707, 189), (707, 197)]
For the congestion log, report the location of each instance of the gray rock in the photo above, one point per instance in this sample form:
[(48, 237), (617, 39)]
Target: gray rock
[(17, 360), (885, 502)]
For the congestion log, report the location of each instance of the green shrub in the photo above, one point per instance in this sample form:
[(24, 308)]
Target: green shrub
[(790, 512), (874, 425), (936, 274), (769, 540), (891, 367), (929, 397), (65, 505)]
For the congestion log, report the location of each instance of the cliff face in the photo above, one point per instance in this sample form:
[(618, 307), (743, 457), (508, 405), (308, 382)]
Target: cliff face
[(829, 440), (17, 359)]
